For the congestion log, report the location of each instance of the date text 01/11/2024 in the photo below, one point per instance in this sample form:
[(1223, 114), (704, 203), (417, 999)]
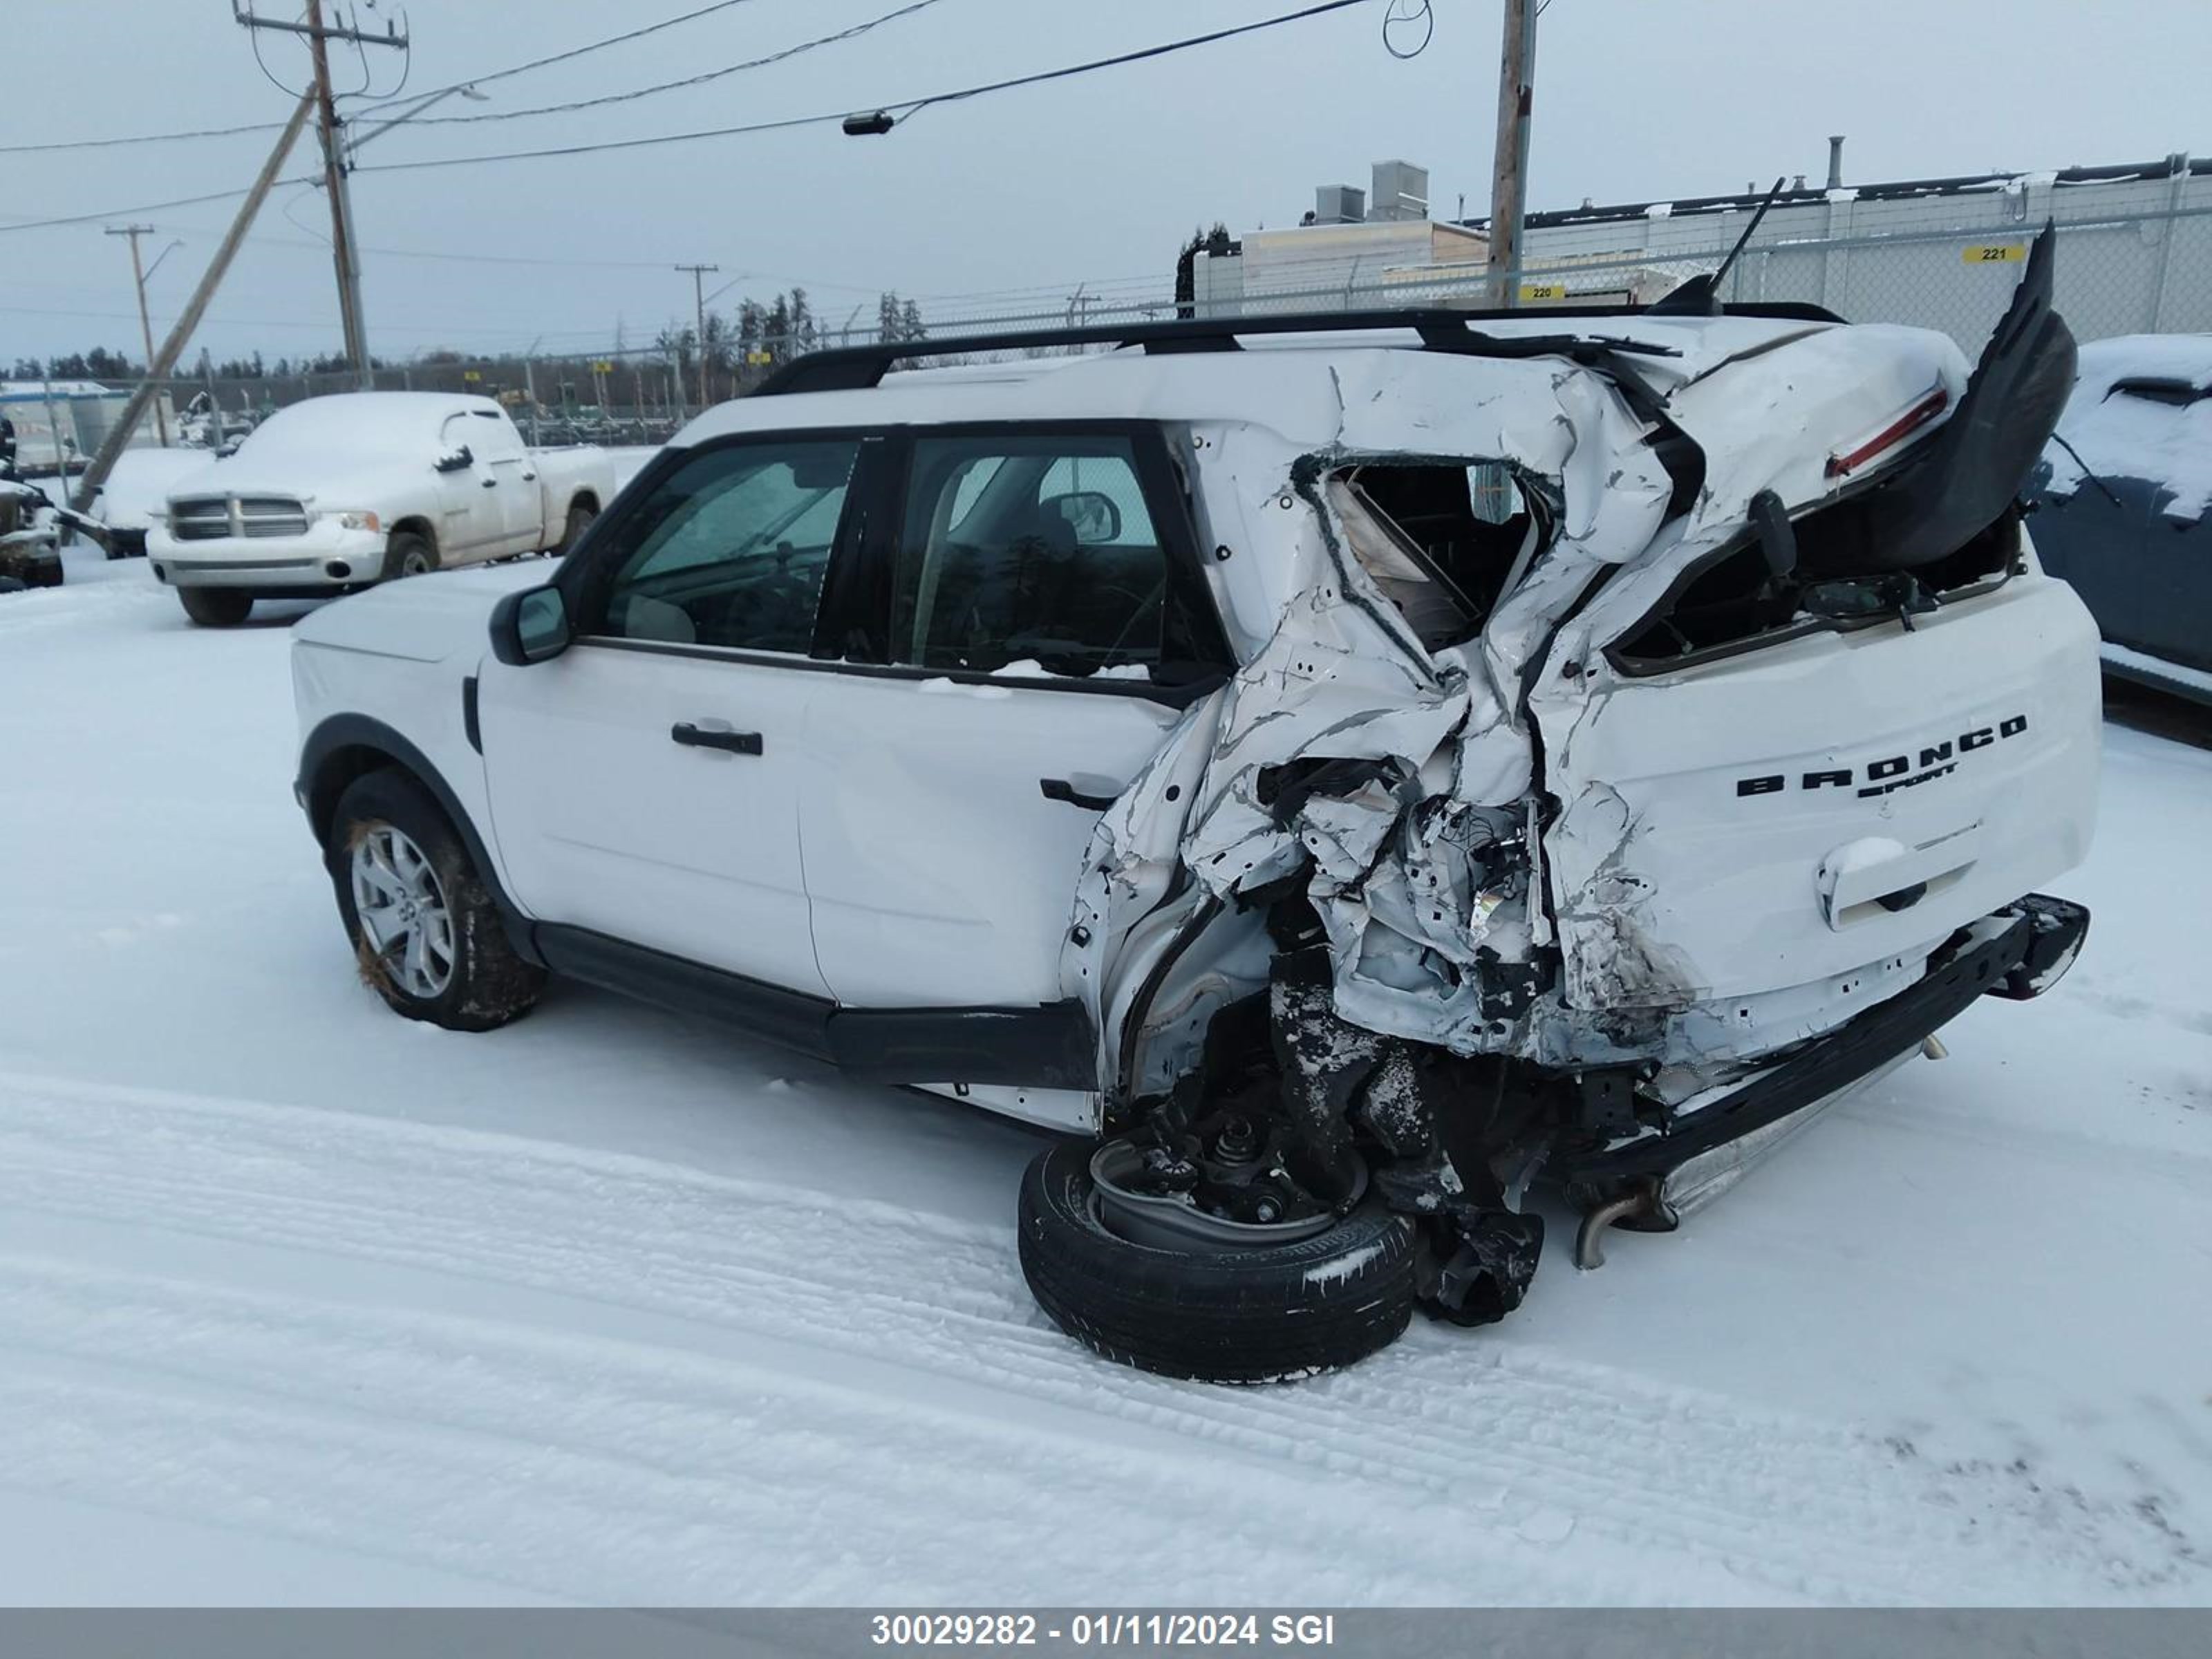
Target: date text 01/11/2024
[(1105, 1630)]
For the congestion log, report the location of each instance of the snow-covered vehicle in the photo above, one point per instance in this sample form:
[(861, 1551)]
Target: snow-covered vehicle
[(30, 552), (2124, 505), (134, 496), (1338, 770), (339, 493)]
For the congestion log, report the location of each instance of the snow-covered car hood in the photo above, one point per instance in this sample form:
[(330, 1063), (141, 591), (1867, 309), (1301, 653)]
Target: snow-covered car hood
[(2165, 440), (423, 618)]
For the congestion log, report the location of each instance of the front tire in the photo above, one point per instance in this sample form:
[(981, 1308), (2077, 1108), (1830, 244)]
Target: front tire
[(425, 932), (582, 515), (1266, 1314), (215, 607), (408, 555)]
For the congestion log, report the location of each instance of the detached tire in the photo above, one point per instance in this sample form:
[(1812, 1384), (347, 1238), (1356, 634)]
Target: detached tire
[(427, 937), (215, 607), (1270, 1315)]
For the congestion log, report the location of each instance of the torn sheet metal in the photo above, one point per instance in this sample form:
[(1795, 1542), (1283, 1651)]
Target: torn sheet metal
[(1476, 826), (1420, 873)]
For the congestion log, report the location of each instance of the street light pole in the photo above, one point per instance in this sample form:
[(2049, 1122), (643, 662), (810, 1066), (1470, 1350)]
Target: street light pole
[(699, 300), (145, 323), (165, 358)]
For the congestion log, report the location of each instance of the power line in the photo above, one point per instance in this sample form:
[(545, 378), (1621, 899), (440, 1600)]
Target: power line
[(383, 103), (143, 207), (852, 32), (591, 46), (140, 138), (909, 106), (1118, 59)]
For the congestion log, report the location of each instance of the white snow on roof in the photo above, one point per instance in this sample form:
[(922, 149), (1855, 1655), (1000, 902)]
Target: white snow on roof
[(359, 422), (17, 389), (2118, 434)]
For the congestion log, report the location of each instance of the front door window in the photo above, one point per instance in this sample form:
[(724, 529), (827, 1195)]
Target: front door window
[(731, 549)]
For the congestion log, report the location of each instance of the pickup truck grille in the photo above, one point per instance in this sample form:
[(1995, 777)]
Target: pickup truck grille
[(200, 519), (212, 518)]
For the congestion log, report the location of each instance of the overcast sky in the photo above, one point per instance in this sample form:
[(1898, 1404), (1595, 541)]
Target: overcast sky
[(1094, 180)]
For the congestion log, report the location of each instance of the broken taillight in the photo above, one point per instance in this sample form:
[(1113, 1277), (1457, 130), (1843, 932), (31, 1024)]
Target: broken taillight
[(1895, 433)]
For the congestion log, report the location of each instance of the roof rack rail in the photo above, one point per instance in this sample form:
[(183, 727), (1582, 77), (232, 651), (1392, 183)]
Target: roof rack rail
[(858, 368)]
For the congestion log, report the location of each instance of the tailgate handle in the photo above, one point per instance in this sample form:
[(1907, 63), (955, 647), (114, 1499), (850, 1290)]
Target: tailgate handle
[(1877, 877), (733, 743)]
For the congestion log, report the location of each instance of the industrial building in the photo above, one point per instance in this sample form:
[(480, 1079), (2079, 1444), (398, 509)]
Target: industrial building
[(2135, 249)]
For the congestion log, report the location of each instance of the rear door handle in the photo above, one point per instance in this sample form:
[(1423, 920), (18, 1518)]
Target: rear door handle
[(1082, 790), (734, 743)]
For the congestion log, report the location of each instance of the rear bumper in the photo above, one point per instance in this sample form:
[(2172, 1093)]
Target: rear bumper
[(2018, 953)]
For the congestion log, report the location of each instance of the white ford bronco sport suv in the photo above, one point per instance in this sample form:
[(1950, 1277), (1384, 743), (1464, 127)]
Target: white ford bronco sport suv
[(1336, 769)]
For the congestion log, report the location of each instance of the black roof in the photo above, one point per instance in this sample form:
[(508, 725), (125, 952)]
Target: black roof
[(853, 368)]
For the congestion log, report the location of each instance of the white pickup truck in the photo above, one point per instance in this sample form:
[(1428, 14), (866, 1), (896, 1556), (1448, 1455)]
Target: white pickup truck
[(339, 493)]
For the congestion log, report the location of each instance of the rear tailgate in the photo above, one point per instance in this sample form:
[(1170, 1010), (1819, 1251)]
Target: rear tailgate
[(1822, 804)]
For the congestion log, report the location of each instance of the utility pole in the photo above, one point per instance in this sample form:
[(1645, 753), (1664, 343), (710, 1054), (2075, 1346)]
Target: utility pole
[(1517, 92), (344, 253), (699, 300), (165, 360), (145, 323)]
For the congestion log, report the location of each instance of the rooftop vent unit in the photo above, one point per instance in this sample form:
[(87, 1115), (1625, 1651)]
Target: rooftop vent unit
[(1401, 191), (1340, 204)]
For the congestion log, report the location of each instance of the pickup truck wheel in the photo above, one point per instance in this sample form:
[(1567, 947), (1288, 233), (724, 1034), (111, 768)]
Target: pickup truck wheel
[(215, 607), (580, 521), (408, 555), (1263, 1313), (425, 932)]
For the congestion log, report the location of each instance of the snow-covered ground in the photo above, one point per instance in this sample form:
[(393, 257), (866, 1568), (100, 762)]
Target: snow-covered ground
[(301, 1302)]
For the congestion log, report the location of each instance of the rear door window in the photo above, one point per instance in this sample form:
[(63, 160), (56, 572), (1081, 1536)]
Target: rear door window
[(1036, 552)]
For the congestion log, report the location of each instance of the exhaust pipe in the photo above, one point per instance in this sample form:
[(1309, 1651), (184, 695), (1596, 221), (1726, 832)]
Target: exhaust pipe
[(1642, 1202)]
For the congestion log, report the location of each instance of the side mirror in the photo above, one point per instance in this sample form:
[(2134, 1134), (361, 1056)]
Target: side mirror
[(1093, 517), (455, 460), (531, 626)]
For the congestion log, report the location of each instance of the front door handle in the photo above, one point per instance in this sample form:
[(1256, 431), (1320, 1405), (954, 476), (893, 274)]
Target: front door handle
[(491, 483), (1080, 791), (734, 743)]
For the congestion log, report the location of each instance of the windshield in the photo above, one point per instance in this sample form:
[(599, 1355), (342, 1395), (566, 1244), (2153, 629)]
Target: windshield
[(324, 430)]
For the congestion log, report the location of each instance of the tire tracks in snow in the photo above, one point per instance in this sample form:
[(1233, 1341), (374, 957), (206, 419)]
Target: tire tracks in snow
[(776, 1377)]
